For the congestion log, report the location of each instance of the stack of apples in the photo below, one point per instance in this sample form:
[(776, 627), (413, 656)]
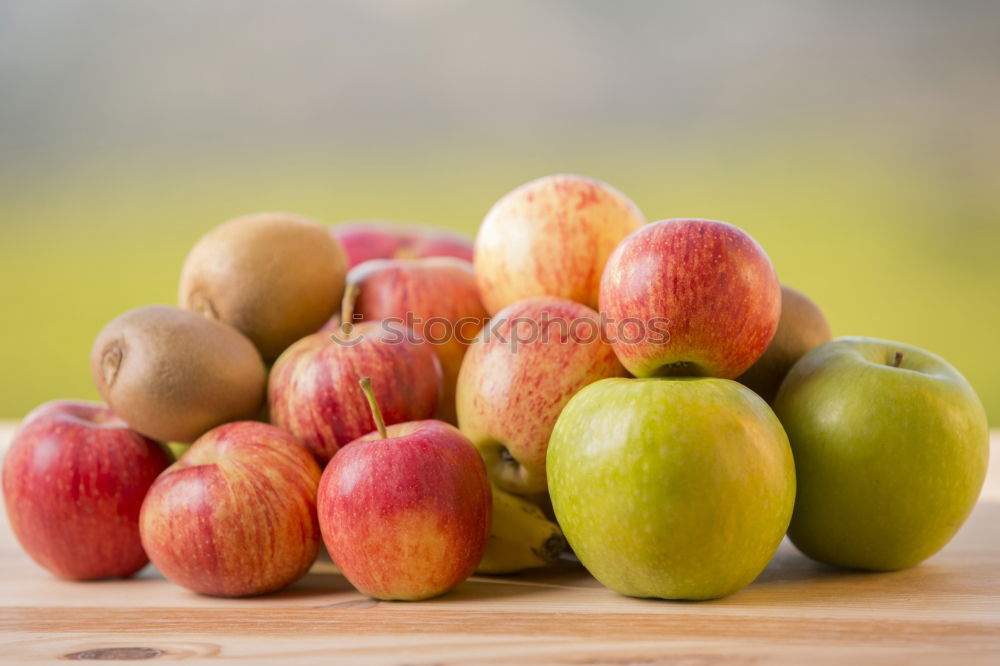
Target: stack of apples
[(577, 384)]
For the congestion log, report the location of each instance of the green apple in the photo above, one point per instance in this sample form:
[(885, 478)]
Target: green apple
[(679, 488), (890, 445)]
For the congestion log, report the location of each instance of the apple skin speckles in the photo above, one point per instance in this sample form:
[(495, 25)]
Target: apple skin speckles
[(710, 280), (677, 488), (74, 479), (438, 295), (406, 517), (313, 389), (236, 515), (551, 237), (509, 396)]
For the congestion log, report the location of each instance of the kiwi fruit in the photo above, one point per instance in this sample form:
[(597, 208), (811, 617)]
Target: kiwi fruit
[(172, 374), (276, 277), (801, 328)]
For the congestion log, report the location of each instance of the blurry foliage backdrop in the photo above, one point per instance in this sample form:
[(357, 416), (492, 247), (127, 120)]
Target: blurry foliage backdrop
[(858, 143)]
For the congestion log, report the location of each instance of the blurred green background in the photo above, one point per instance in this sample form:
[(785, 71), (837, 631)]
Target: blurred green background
[(857, 144)]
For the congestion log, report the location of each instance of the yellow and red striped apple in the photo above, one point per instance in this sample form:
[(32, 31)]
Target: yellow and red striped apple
[(74, 479), (711, 283), (373, 239), (551, 237), (438, 295), (236, 515), (405, 511), (313, 388), (526, 364)]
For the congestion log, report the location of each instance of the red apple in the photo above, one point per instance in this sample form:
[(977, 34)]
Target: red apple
[(73, 481), (437, 296), (405, 511), (236, 515), (371, 239), (551, 237), (516, 378), (313, 388), (690, 298)]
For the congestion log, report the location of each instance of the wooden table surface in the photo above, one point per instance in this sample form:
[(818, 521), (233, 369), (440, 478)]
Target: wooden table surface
[(945, 611)]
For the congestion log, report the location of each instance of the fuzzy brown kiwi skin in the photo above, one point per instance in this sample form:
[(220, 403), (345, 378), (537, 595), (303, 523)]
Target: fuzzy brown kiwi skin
[(801, 328), (276, 277), (172, 374)]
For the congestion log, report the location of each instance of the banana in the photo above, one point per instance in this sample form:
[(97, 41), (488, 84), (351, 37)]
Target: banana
[(521, 537)]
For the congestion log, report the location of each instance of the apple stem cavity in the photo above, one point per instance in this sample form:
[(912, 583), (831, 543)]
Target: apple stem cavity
[(897, 359), (366, 386), (347, 308), (505, 456)]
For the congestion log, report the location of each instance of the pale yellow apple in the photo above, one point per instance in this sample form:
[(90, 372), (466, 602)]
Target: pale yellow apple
[(551, 237), (531, 358)]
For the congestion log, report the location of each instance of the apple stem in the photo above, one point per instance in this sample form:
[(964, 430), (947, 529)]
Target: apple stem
[(347, 308), (366, 386), (897, 359)]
